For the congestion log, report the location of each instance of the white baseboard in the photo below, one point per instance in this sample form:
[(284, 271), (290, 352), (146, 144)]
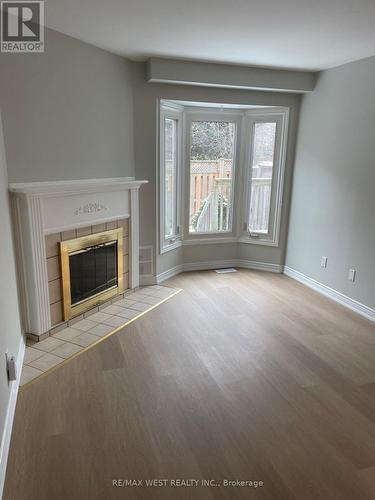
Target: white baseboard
[(210, 264), (339, 297), (218, 264), (7, 431), (260, 266), (165, 275)]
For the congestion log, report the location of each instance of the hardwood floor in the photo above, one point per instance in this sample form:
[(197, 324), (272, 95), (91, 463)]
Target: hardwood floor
[(247, 376)]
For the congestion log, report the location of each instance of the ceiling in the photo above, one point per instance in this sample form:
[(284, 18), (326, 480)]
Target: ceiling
[(295, 34)]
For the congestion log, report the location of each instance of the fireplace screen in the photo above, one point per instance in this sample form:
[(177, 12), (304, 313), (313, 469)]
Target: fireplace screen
[(91, 270)]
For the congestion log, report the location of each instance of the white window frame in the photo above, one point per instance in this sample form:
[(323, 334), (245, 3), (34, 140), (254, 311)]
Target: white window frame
[(175, 240), (210, 115), (281, 117)]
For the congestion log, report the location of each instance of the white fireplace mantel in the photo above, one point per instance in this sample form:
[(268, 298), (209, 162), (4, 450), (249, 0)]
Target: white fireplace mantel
[(41, 208)]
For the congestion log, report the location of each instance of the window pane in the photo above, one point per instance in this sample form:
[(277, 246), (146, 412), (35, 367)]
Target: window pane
[(211, 175), (261, 176), (170, 177)]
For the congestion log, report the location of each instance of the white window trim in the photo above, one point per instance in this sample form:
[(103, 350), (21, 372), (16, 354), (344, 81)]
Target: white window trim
[(174, 241), (281, 116), (209, 114)]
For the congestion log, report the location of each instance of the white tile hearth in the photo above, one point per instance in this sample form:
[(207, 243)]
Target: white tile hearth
[(140, 306), (66, 350), (49, 344), (113, 309), (129, 314), (31, 354), (114, 321), (41, 357), (125, 302), (101, 329), (46, 362), (98, 317), (149, 292), (29, 373), (85, 324), (68, 334), (148, 299), (85, 339)]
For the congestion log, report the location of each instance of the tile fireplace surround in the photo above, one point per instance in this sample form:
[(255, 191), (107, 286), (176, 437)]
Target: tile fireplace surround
[(42, 210), (53, 261)]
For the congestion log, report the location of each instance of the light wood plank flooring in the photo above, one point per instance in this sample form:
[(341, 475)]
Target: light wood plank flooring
[(246, 376)]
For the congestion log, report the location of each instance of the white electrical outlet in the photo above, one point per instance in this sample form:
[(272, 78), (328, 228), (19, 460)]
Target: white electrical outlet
[(323, 262), (351, 275)]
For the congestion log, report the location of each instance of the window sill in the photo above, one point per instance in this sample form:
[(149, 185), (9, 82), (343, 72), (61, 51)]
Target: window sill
[(172, 246), (242, 239), (258, 241), (218, 241), (209, 241)]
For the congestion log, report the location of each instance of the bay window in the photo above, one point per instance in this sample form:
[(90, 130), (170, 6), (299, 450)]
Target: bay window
[(228, 167)]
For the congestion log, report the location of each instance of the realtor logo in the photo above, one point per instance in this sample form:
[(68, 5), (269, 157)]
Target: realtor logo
[(22, 26)]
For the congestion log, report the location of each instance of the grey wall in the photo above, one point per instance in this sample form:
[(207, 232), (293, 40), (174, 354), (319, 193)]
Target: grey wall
[(333, 204), (145, 135), (10, 335), (67, 113), (79, 112)]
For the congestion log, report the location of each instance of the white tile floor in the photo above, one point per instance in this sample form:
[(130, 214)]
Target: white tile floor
[(42, 356)]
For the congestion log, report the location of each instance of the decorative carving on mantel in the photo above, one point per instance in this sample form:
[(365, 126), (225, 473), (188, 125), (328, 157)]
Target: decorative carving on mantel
[(90, 208)]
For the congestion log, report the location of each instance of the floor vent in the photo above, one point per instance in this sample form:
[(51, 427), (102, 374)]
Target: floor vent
[(145, 260), (227, 270)]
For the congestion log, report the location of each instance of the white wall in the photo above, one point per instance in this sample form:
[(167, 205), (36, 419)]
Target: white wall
[(67, 113), (333, 203), (145, 135), (10, 335)]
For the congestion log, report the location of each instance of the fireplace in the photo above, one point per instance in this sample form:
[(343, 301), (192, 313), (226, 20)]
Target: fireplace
[(49, 216), (91, 270)]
